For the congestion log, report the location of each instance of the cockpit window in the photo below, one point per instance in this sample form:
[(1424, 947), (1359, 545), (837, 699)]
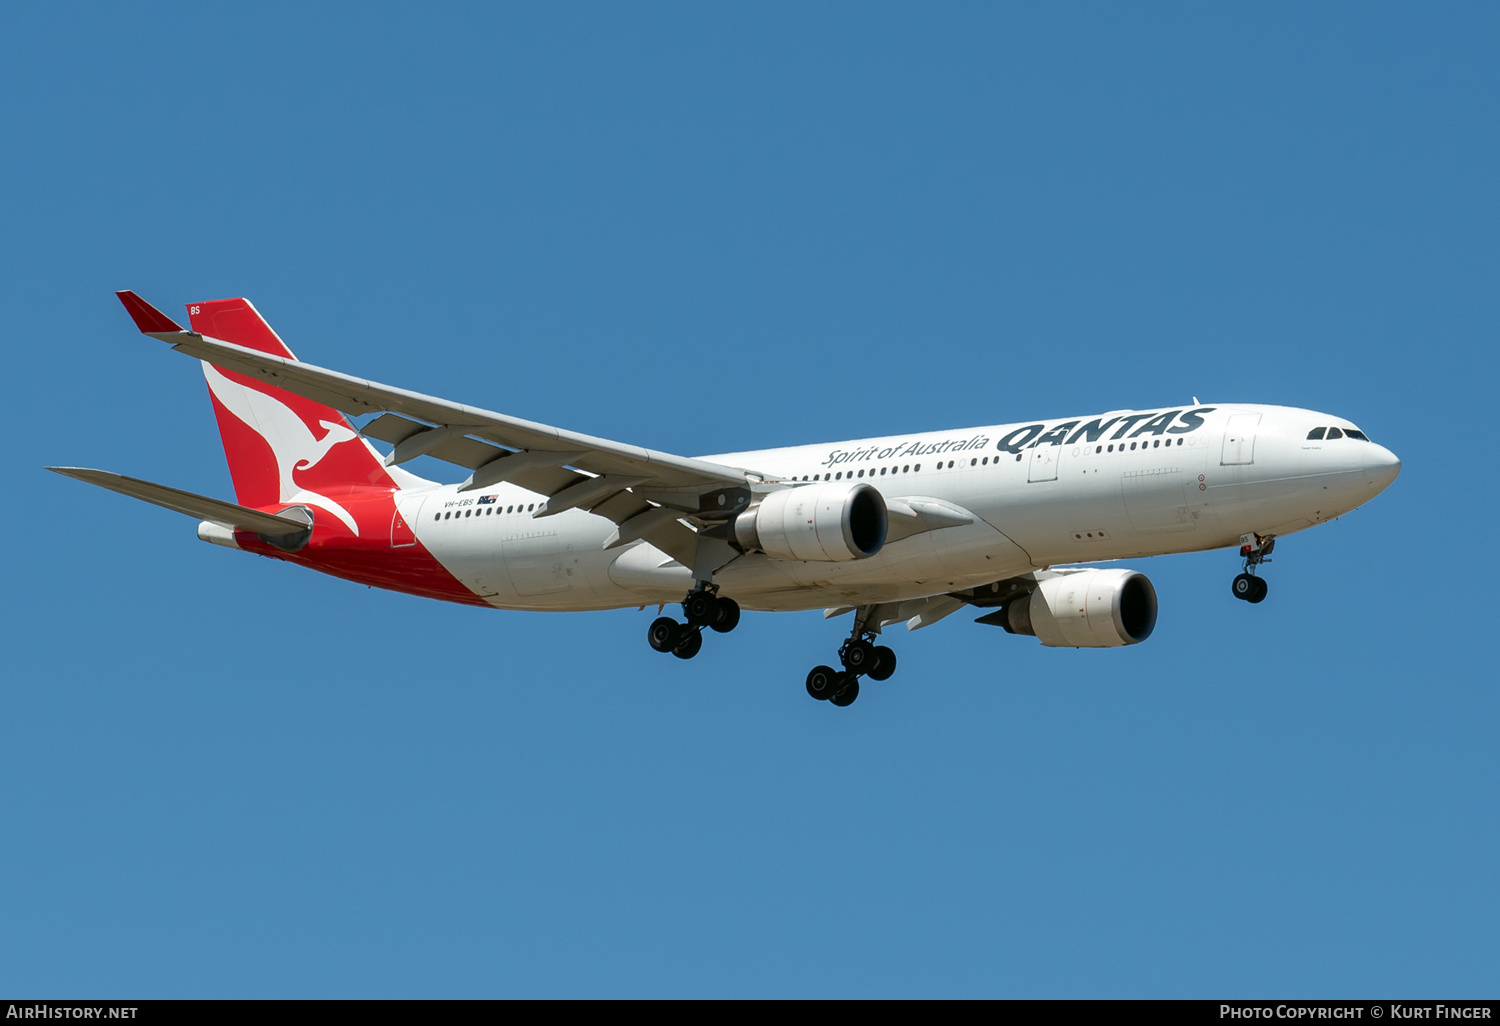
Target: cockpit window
[(1315, 434), (1356, 434), (1335, 433)]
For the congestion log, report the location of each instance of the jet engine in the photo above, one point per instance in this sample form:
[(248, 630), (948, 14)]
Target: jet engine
[(817, 522), (1089, 609)]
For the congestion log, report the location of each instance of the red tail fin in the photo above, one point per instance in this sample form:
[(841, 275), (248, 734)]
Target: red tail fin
[(281, 447)]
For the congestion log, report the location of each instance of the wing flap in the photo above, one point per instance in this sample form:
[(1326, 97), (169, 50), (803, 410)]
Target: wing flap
[(390, 428), (621, 506), (466, 452)]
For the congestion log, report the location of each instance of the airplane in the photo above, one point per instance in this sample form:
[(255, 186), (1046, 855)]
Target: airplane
[(905, 528)]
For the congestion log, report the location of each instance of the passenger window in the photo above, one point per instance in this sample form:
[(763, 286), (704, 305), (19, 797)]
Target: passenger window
[(1335, 433), (1316, 434)]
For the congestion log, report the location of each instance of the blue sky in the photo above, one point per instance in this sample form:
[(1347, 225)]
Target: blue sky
[(709, 229)]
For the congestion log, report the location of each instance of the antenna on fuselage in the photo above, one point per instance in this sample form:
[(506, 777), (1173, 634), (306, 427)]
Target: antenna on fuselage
[(1196, 402)]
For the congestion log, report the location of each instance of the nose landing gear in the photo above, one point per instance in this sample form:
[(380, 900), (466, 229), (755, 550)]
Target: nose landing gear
[(702, 608), (1256, 550), (1249, 587)]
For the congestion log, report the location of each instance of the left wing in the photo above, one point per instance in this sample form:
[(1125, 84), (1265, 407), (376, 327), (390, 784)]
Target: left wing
[(618, 481)]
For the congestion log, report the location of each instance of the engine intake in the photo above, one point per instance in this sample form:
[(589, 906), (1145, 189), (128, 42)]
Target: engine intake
[(821, 522), (1091, 609)]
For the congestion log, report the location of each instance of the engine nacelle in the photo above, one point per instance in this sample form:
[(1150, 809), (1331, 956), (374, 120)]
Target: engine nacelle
[(1090, 609), (819, 522)]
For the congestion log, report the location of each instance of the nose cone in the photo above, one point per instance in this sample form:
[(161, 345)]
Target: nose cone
[(1381, 468)]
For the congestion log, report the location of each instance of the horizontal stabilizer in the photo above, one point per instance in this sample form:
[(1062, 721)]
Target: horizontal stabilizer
[(239, 518)]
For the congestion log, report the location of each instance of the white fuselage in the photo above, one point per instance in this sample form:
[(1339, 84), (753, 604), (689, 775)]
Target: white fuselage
[(1039, 495)]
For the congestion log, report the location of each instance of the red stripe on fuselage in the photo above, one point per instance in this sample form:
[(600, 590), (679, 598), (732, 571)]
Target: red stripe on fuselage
[(368, 558)]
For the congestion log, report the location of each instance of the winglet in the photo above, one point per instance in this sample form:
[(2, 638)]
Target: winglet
[(147, 317)]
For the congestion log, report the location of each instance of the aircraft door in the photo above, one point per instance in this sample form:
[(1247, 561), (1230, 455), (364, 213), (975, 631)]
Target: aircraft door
[(405, 515), (1043, 463), (1239, 440), (539, 563), (1159, 499)]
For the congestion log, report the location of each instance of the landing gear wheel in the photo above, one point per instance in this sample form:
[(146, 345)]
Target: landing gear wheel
[(858, 656), (820, 682), (1258, 592), (664, 633), (1244, 587), (729, 616), (885, 664), (688, 647), (848, 693), (701, 608)]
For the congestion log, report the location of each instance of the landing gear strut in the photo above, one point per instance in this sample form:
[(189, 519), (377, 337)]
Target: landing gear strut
[(860, 657), (1256, 550), (703, 607)]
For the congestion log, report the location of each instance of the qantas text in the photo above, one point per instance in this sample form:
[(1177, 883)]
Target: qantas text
[(1068, 432)]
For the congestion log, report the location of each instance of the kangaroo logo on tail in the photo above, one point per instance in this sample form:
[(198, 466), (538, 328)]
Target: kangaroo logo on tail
[(291, 440)]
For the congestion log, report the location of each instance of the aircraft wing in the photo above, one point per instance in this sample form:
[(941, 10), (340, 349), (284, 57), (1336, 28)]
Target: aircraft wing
[(496, 447)]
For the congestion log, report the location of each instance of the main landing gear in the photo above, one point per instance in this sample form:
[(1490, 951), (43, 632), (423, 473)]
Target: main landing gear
[(702, 608), (860, 657), (1256, 550)]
